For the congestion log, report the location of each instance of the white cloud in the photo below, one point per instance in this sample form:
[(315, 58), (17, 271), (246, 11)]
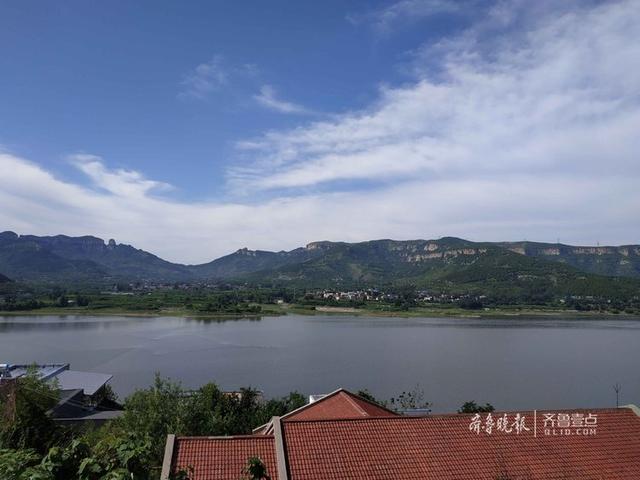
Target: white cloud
[(561, 100), (384, 19), (205, 79), (126, 183), (269, 99), (533, 137), (576, 209)]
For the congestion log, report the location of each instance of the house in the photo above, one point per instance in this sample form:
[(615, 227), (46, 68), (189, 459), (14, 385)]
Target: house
[(341, 436), (83, 397), (335, 405)]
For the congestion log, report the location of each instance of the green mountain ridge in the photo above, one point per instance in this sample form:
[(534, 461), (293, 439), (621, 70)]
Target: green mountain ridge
[(81, 259), (448, 264), (621, 261), (245, 261)]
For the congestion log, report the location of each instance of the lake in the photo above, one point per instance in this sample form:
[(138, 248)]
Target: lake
[(513, 364)]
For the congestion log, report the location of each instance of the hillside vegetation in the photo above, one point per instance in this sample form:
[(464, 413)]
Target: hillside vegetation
[(522, 271)]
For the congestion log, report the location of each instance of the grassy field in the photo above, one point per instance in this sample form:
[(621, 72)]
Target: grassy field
[(450, 311), (284, 309)]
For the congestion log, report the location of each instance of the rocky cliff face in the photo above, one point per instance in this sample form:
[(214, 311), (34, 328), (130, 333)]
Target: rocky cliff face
[(604, 260), (380, 259), (33, 258), (30, 257)]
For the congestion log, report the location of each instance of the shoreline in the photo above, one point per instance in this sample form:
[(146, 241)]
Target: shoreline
[(493, 313), (329, 310), (144, 314)]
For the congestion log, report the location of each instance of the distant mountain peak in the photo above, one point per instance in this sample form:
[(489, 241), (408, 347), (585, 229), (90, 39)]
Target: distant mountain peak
[(61, 258), (321, 245), (85, 259), (246, 251)]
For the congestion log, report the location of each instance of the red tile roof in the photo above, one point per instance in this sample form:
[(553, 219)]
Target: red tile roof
[(339, 404), (377, 445), (443, 447), (223, 458)]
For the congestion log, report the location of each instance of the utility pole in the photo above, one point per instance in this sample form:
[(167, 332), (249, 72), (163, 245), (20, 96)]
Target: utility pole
[(617, 387)]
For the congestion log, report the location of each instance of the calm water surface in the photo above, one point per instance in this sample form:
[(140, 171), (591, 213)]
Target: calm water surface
[(514, 364)]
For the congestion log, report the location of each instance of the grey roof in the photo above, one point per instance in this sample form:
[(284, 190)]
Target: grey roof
[(89, 382), (105, 415), (94, 415), (66, 395), (44, 371)]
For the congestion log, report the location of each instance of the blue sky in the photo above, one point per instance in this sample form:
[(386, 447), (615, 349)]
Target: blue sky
[(111, 78), (191, 129)]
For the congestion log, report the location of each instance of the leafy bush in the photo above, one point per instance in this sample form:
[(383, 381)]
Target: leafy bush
[(473, 407), (26, 423)]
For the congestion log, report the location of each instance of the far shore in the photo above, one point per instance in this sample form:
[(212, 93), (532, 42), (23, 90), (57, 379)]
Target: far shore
[(462, 314), (285, 309)]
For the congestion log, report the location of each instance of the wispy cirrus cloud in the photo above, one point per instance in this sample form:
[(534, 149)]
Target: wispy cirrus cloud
[(217, 75), (489, 208), (383, 20), (126, 183), (268, 98), (550, 99), (214, 76), (204, 79)]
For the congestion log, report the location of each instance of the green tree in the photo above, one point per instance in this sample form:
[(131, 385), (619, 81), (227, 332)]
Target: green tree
[(129, 454), (366, 394), (62, 301), (410, 400), (132, 446), (82, 301), (167, 407), (26, 423), (155, 412), (277, 407), (473, 407), (62, 463), (14, 462), (255, 470), (126, 457)]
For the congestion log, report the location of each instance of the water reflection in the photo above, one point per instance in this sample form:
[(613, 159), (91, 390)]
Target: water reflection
[(511, 362), (76, 322)]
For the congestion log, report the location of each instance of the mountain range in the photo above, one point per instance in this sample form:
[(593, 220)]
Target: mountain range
[(444, 263)]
